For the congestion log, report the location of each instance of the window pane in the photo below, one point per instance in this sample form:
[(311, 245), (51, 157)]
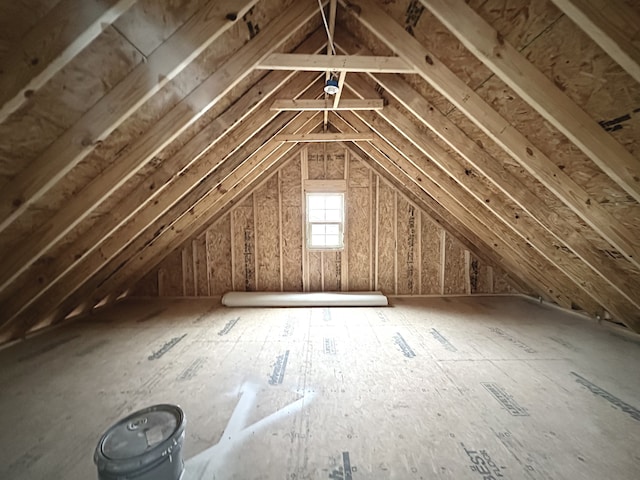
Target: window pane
[(318, 241), (334, 202), (333, 216), (316, 202), (332, 241), (325, 214), (317, 216), (333, 229)]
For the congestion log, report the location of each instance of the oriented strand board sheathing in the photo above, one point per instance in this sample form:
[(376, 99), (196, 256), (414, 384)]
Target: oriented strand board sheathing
[(200, 265), (60, 103), (150, 22), (359, 225), (386, 250), (314, 270), (501, 282), (573, 61), (219, 256), (290, 189), (332, 270), (407, 248), (454, 266), (267, 236), (188, 275), (334, 161), (170, 283), (244, 246), (147, 286), (431, 268), (17, 18), (519, 22), (558, 212), (315, 161), (480, 279), (561, 151), (427, 30)]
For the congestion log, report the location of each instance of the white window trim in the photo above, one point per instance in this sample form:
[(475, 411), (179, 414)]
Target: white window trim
[(308, 223)]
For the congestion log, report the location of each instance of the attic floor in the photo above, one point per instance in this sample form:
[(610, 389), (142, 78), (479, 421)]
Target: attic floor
[(448, 388)]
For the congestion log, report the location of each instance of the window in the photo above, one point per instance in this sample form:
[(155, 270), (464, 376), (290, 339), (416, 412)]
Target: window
[(325, 220)]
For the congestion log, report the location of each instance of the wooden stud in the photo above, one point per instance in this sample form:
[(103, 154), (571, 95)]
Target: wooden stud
[(160, 135), (395, 242), (344, 265), (443, 259), (455, 199), (336, 97), (467, 272), (304, 167), (233, 255), (255, 241), (508, 183), (376, 282), (280, 258), (539, 91), (419, 251), (498, 129), (372, 230), (142, 209), (115, 107)]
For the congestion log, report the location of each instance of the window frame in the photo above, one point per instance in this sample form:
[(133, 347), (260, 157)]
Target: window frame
[(309, 224)]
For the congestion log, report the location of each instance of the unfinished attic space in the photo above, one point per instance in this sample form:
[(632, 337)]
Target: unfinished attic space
[(320, 239)]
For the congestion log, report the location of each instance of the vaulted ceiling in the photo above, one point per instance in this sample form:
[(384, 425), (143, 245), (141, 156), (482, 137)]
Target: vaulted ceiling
[(127, 125)]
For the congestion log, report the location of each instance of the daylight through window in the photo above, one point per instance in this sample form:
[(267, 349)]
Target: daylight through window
[(325, 220)]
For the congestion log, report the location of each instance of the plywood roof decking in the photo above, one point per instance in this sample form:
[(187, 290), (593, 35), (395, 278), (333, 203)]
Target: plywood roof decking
[(131, 145)]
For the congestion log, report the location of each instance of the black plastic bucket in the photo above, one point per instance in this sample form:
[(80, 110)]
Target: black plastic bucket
[(146, 445)]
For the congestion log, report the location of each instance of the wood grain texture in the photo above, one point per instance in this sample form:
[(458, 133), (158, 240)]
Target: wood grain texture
[(54, 41), (498, 128), (219, 256), (145, 80), (267, 236), (539, 91)]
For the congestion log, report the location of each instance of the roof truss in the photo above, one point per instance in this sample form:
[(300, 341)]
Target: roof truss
[(420, 150)]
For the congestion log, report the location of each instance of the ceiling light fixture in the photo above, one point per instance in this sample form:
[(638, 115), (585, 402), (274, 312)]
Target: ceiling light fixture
[(331, 87)]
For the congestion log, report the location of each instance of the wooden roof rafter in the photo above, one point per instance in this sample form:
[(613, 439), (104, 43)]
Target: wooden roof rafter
[(541, 93), (389, 158), (617, 288), (456, 199), (65, 31), (161, 134), (180, 196), (531, 158), (167, 61), (253, 102), (130, 267)]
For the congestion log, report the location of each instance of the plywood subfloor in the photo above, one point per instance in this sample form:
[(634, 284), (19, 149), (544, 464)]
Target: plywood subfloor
[(449, 388)]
